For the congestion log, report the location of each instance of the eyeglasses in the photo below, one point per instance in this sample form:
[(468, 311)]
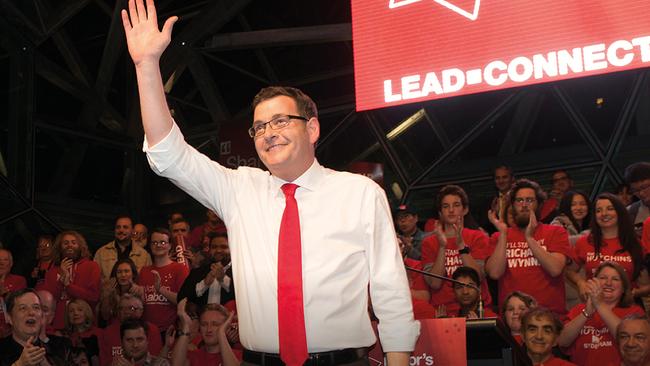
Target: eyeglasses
[(529, 200), (131, 308), (276, 123), (640, 189), (161, 243)]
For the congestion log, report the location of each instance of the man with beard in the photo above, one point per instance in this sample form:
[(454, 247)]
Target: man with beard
[(531, 256), (74, 275), (121, 247), (8, 283), (135, 346), (130, 307), (22, 346), (140, 235), (211, 283)]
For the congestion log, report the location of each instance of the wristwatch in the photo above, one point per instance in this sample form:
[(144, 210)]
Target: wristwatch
[(180, 333), (464, 250)]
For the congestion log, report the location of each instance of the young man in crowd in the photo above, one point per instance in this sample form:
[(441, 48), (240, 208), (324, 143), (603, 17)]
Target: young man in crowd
[(211, 283), (121, 247), (467, 297), (130, 307), (293, 230), (561, 183), (452, 246), (406, 220), (213, 224), (540, 328), (74, 275), (633, 339), (503, 180), (531, 256), (637, 176), (161, 281), (135, 346)]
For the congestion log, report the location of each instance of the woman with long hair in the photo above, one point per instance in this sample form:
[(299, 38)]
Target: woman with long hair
[(574, 214), (122, 280), (612, 238), (589, 335), (513, 308)]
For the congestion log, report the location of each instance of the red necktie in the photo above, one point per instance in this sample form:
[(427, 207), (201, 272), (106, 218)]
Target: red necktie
[(291, 318)]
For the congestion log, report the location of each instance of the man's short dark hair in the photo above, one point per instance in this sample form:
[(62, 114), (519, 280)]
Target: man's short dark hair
[(541, 312), (637, 172), (633, 316), (502, 166), (540, 195), (123, 216), (305, 104), (10, 301), (178, 220), (162, 230), (453, 190), (217, 234), (464, 271), (132, 324)]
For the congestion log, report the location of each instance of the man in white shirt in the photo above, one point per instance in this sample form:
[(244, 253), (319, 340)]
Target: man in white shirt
[(347, 240)]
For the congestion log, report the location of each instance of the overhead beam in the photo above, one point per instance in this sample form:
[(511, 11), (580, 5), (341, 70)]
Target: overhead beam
[(280, 37)]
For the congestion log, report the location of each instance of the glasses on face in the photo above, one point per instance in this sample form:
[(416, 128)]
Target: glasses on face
[(528, 200), (160, 243), (276, 123), (131, 308)]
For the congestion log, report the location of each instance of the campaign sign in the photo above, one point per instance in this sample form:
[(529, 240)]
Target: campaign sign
[(441, 343), (414, 50)]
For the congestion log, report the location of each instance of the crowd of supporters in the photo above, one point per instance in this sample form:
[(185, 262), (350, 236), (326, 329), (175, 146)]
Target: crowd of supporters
[(567, 275)]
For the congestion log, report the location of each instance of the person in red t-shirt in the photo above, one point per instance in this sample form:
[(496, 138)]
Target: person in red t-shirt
[(215, 321), (531, 256), (467, 297), (130, 307), (44, 260), (8, 282), (645, 235), (212, 225), (161, 281), (74, 275), (612, 238), (562, 183), (589, 335), (515, 305), (541, 328), (453, 246), (420, 294)]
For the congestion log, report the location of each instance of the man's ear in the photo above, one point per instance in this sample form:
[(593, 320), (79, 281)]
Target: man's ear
[(313, 129)]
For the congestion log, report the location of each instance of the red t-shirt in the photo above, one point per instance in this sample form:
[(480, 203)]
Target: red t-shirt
[(110, 344), (609, 251), (157, 309), (421, 308), (200, 357), (12, 283), (478, 243), (547, 208), (554, 361), (525, 273), (84, 284), (595, 345)]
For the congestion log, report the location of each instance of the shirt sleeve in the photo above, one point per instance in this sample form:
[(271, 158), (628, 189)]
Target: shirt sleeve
[(559, 242), (480, 245), (202, 178), (580, 251), (429, 250), (389, 291), (86, 283), (645, 236)]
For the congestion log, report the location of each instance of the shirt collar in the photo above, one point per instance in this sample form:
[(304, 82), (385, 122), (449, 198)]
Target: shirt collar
[(309, 180)]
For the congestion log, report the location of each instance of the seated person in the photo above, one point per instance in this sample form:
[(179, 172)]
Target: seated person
[(8, 282), (468, 297), (215, 320), (79, 328), (514, 306), (633, 339), (130, 307), (540, 330), (22, 346), (589, 335), (135, 345), (420, 294), (122, 280), (53, 341)]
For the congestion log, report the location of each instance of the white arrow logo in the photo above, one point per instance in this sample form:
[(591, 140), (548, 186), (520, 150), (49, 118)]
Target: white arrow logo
[(471, 16)]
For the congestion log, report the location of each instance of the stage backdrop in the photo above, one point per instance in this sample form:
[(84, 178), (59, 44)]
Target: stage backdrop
[(414, 50)]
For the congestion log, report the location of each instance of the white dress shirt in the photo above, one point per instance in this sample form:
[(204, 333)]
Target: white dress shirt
[(349, 249)]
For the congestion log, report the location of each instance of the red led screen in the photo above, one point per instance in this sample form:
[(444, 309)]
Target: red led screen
[(414, 50)]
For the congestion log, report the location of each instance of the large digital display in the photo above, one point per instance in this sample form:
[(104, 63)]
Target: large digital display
[(414, 50)]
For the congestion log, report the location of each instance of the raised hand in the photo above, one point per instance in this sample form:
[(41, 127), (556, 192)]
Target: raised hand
[(31, 355), (532, 224), (216, 273), (156, 280), (145, 41), (439, 232), (500, 225), (170, 337), (182, 314), (65, 270), (458, 230)]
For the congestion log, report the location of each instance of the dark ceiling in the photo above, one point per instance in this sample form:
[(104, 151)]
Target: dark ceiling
[(71, 137)]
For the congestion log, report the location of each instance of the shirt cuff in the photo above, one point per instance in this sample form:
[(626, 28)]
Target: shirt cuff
[(225, 283), (200, 288), (163, 154)]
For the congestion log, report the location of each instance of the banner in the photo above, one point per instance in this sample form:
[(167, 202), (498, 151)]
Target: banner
[(441, 343), (414, 50)]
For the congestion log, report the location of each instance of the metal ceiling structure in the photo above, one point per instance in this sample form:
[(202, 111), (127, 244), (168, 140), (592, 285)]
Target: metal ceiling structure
[(70, 139)]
